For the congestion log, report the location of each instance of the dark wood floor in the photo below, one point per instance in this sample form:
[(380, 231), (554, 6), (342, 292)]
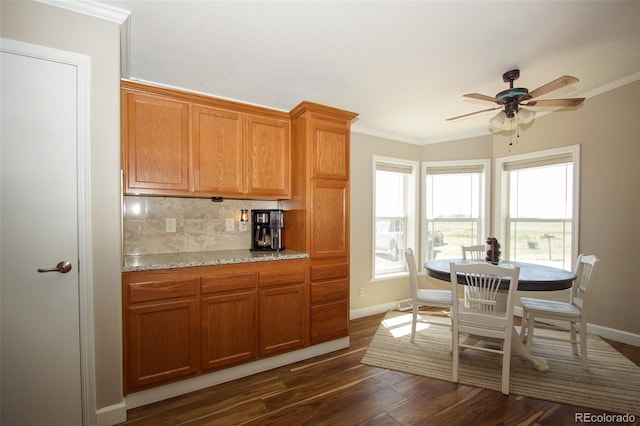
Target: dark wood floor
[(336, 389)]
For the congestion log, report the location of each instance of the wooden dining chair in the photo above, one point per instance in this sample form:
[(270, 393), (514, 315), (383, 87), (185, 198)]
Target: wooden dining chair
[(423, 297), (476, 252), (479, 316), (574, 312)]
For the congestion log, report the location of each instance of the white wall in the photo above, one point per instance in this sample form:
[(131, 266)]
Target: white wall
[(49, 26)]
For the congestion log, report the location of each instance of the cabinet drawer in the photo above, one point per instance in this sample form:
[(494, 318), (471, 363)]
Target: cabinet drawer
[(284, 276), (161, 290), (329, 322), (231, 282), (327, 272), (329, 291)]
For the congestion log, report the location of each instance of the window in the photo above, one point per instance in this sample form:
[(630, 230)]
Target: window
[(395, 214), (539, 195), (456, 207)]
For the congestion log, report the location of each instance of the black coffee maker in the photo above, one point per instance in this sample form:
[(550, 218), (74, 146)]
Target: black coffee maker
[(267, 227)]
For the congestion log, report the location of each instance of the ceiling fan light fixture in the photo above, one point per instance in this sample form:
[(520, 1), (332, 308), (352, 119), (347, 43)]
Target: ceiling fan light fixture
[(525, 116), (496, 124)]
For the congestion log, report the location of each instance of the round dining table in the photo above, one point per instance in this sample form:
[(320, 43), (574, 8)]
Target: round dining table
[(532, 278)]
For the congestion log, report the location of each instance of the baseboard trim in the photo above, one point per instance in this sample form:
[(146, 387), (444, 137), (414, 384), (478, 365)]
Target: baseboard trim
[(112, 415), (160, 393), (606, 332), (372, 310)]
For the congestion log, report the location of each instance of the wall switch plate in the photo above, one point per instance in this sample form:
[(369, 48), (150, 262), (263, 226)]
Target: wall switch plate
[(229, 224), (170, 224)]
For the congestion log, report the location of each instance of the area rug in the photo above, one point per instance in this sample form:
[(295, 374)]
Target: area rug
[(612, 383)]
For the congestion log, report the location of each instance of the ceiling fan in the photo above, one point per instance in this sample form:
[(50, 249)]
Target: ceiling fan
[(513, 98)]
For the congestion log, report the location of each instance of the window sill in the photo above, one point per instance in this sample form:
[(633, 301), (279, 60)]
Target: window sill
[(387, 277)]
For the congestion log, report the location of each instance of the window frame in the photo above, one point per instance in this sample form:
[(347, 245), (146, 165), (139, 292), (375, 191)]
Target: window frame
[(412, 192), (485, 197), (501, 207)]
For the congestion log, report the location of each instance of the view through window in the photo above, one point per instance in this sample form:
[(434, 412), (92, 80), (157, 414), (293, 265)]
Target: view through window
[(394, 215), (540, 212), (455, 208)]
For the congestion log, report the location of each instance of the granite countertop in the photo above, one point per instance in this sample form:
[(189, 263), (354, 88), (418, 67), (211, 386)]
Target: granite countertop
[(148, 262)]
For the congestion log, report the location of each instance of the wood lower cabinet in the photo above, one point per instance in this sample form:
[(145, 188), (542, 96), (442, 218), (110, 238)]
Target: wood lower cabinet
[(284, 310), (329, 300), (229, 319), (162, 338), (180, 323)]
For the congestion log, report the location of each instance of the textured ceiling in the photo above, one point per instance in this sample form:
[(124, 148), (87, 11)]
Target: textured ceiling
[(403, 66)]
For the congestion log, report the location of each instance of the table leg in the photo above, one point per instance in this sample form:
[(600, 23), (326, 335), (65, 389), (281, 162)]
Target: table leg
[(518, 347)]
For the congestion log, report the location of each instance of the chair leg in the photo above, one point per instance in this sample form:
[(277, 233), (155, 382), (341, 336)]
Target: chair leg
[(523, 326), (414, 321), (456, 354), (506, 363), (572, 337), (583, 346), (530, 321)]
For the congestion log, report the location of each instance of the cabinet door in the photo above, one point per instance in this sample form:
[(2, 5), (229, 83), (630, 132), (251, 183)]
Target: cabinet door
[(229, 329), (162, 342), (218, 151), (268, 158), (155, 132), (329, 218), (284, 319), (330, 149)]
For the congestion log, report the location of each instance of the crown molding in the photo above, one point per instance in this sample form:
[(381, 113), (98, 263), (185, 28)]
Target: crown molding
[(107, 13)]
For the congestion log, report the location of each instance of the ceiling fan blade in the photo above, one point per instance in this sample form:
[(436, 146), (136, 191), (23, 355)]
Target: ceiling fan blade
[(480, 97), (555, 102), (556, 84), (472, 113)]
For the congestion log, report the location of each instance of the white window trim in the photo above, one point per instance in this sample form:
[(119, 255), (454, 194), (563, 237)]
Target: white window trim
[(413, 223), (502, 191), (485, 198)]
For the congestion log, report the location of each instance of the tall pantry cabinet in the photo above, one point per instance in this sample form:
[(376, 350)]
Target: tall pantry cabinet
[(318, 213)]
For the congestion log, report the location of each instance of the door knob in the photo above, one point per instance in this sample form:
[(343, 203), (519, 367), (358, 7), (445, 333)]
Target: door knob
[(62, 267)]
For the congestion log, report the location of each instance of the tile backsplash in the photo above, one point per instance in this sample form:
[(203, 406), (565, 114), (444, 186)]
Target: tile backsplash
[(200, 224)]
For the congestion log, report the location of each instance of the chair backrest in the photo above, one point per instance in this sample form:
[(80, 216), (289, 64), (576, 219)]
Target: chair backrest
[(476, 252), (483, 297), (586, 268), (413, 272)]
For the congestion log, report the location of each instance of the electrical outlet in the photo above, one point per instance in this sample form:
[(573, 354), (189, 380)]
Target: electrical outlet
[(361, 292), (170, 224), (229, 224)]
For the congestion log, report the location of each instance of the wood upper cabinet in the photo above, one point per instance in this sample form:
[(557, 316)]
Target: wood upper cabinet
[(155, 132), (177, 143), (268, 156), (330, 148), (218, 151), (329, 218)]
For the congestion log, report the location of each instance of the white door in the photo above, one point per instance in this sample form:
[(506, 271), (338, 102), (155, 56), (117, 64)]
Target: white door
[(40, 346)]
